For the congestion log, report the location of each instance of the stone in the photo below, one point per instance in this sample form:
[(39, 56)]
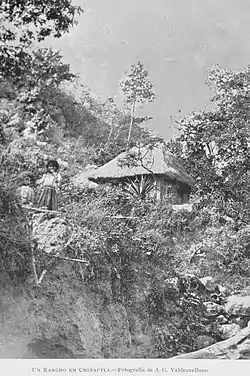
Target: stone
[(229, 330), (49, 233), (234, 348), (241, 321), (63, 164), (208, 283), (203, 341), (213, 309), (221, 319), (238, 305), (223, 290)]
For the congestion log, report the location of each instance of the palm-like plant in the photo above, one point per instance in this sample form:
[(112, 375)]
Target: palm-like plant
[(140, 187)]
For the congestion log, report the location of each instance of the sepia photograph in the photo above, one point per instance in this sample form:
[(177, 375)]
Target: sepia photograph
[(124, 184)]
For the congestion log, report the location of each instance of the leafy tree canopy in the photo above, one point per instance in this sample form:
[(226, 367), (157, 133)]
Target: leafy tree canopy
[(136, 88), (27, 20), (215, 143)]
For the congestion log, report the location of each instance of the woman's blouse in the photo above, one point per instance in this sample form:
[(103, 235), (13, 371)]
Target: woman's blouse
[(49, 180)]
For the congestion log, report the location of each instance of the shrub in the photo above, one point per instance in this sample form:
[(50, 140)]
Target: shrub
[(15, 249)]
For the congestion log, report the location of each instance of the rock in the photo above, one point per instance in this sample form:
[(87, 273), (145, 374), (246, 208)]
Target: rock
[(63, 164), (217, 298), (241, 321), (49, 233), (229, 330), (238, 305), (221, 320), (236, 347), (180, 207), (213, 309), (189, 282), (63, 321), (203, 341), (208, 283), (223, 290)]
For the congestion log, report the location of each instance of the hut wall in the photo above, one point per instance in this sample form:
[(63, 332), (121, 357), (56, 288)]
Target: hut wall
[(176, 192), (164, 188), (168, 189)]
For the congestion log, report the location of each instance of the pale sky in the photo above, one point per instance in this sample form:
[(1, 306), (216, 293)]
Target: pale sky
[(176, 40)]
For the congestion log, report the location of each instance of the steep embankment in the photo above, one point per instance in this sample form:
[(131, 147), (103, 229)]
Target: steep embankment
[(147, 315), (67, 318), (61, 319)]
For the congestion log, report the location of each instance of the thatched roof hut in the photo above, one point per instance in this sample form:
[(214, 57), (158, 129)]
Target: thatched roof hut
[(156, 162)]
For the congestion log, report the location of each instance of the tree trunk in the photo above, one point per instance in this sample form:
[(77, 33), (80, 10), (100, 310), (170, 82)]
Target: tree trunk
[(110, 134), (131, 123)]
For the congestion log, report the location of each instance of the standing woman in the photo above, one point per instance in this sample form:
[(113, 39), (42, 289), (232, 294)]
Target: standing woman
[(50, 184)]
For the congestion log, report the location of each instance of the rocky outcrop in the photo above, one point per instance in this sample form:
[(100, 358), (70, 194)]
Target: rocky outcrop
[(203, 341), (229, 314), (66, 317), (49, 233), (229, 330), (213, 309), (236, 347), (208, 283), (63, 322), (238, 305)]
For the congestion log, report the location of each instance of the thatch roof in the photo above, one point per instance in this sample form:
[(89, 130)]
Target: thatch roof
[(157, 161)]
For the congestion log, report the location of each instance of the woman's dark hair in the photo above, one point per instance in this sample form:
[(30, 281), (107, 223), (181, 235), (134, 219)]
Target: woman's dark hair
[(53, 163)]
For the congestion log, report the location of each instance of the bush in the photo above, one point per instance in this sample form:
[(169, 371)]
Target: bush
[(15, 248)]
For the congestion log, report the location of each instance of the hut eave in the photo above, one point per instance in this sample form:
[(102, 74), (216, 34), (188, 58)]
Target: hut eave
[(158, 161)]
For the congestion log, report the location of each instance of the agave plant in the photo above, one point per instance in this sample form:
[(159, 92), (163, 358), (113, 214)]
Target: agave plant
[(140, 187)]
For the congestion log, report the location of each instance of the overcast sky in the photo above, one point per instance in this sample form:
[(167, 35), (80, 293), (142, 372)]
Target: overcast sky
[(176, 40)]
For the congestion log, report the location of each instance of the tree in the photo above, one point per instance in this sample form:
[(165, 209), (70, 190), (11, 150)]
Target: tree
[(27, 77), (137, 89), (105, 125), (216, 143), (26, 20), (35, 89)]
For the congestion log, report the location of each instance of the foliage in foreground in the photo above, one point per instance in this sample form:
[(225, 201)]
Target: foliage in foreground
[(15, 248)]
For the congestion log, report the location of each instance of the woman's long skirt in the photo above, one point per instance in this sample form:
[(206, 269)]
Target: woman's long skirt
[(48, 198)]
